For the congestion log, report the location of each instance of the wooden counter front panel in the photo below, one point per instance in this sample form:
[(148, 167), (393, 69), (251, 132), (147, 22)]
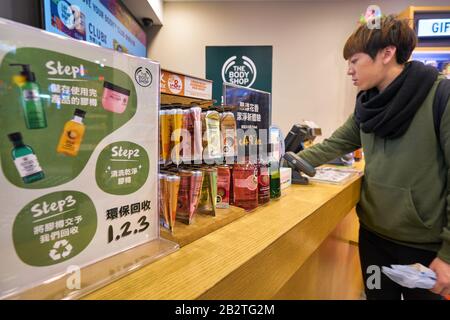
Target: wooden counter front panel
[(265, 275), (333, 271)]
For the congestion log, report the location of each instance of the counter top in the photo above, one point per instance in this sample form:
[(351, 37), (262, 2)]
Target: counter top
[(250, 258)]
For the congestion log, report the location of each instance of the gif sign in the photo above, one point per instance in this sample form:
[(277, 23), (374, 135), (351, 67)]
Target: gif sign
[(433, 27), (247, 66)]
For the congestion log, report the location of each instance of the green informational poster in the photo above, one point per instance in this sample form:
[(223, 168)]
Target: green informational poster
[(246, 66), (78, 154)]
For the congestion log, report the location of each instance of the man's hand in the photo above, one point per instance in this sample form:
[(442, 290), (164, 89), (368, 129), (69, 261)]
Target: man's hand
[(442, 270)]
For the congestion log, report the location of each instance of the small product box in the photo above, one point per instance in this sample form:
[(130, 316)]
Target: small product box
[(285, 177)]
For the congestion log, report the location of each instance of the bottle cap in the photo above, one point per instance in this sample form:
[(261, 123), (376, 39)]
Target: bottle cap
[(116, 88), (26, 71), (173, 178), (15, 137), (79, 113), (197, 173)]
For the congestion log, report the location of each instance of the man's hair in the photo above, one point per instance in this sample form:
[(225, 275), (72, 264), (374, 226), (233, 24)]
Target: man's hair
[(392, 32)]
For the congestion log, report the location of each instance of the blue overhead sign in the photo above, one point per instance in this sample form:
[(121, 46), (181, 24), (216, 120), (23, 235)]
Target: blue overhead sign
[(104, 22)]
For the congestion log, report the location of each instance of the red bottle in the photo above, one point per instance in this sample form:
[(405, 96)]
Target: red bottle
[(223, 187), (245, 186), (263, 183)]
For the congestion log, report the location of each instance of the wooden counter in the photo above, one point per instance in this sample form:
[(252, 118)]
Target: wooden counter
[(279, 251)]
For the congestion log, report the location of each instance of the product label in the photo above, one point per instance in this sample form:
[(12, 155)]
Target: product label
[(249, 183), (183, 196), (223, 188), (31, 95), (204, 196), (27, 165), (264, 183), (229, 146), (71, 140), (213, 136), (252, 182), (115, 98)]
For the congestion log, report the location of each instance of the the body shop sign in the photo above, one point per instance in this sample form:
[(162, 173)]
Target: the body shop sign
[(240, 71), (246, 66)]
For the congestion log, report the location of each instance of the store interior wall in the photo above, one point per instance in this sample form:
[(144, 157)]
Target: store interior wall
[(309, 73)]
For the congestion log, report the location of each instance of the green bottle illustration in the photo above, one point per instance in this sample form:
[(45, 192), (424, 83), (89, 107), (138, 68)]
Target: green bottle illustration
[(25, 159), (33, 109)]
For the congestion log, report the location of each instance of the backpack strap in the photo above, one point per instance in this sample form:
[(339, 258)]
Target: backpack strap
[(439, 103)]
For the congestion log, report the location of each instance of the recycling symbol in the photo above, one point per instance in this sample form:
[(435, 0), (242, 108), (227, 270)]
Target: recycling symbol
[(55, 252)]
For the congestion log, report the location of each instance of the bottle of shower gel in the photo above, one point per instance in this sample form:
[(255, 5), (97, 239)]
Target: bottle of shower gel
[(25, 160), (72, 135), (274, 171), (33, 109)]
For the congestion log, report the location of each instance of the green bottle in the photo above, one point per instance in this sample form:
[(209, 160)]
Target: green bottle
[(33, 109), (275, 187), (25, 159), (274, 172)]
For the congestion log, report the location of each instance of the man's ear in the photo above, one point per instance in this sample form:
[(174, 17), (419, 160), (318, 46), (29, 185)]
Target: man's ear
[(388, 54)]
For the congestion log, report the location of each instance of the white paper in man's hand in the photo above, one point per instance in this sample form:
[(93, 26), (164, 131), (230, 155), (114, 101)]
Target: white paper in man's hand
[(411, 276)]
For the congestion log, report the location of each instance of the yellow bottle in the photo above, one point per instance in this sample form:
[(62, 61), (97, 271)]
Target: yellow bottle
[(72, 135)]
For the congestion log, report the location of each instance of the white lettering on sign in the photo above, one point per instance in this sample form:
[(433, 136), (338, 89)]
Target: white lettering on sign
[(57, 68), (433, 28), (241, 72), (40, 209), (125, 153)]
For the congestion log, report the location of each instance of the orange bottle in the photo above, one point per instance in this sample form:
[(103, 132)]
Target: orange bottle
[(72, 135)]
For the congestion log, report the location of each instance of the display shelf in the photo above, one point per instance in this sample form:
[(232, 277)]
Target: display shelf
[(256, 256), (202, 225), (99, 274), (171, 101)]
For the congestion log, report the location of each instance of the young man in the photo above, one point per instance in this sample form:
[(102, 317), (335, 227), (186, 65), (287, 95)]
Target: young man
[(404, 210)]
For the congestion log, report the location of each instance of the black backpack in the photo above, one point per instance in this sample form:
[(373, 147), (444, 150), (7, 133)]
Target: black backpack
[(439, 103)]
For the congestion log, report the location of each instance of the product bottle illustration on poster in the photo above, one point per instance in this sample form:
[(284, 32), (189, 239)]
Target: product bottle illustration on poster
[(72, 104), (33, 109), (70, 140), (25, 159)]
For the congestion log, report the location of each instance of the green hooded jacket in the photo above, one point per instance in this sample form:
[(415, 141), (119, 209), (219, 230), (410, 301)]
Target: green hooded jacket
[(405, 197)]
